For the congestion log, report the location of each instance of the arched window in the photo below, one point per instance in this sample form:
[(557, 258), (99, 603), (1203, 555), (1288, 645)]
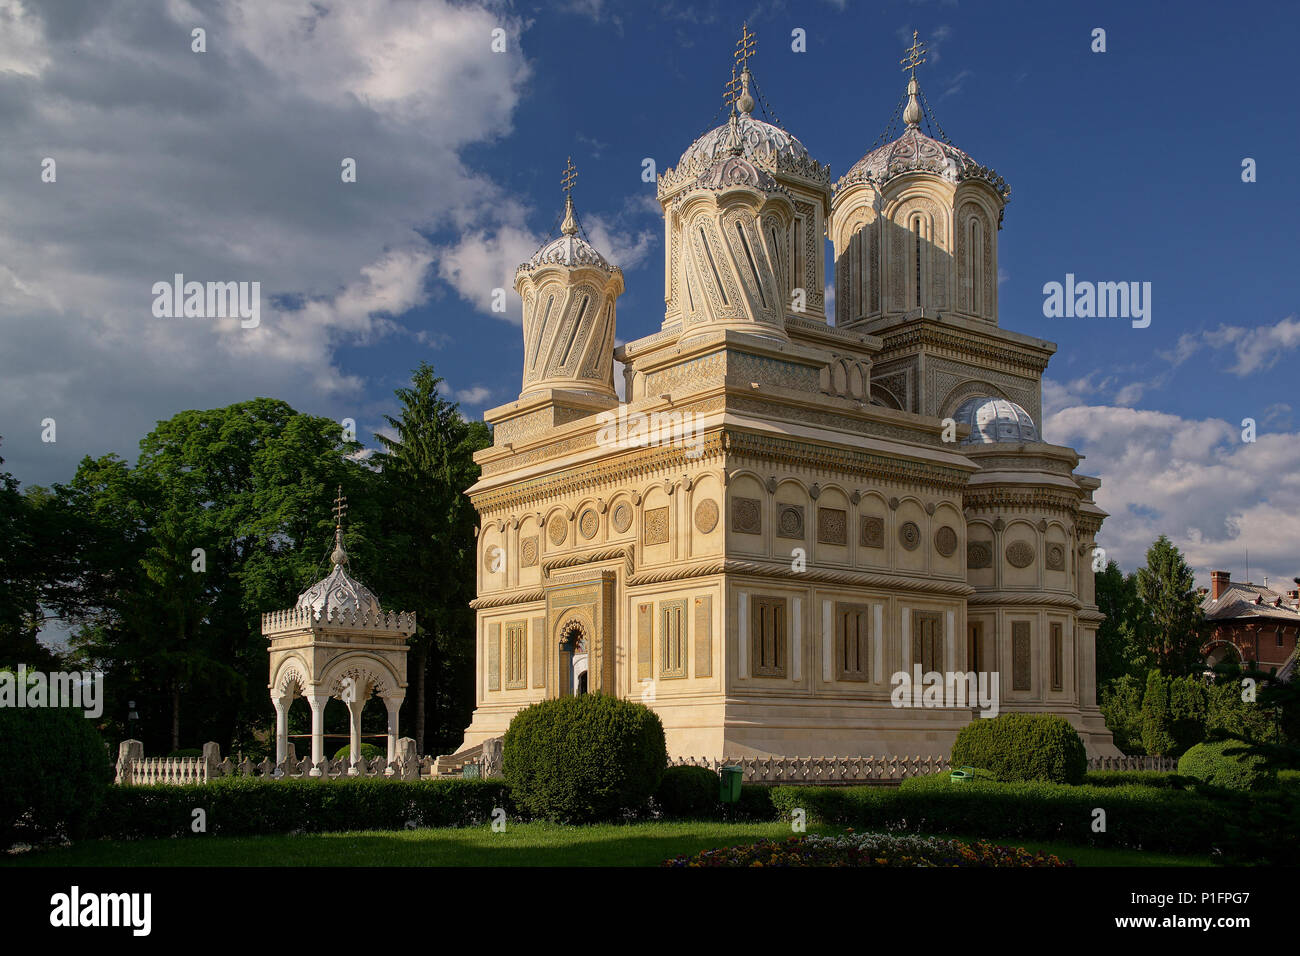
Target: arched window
[(975, 264), (918, 240)]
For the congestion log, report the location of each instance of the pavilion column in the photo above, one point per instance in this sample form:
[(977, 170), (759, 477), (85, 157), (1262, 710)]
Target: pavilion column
[(317, 704), (281, 705), (393, 704), (354, 749)]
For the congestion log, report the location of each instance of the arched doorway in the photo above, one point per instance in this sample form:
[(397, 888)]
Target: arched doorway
[(573, 660)]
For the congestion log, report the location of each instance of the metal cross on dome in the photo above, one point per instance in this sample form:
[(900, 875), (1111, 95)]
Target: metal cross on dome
[(915, 56), (570, 176), (340, 508), (744, 46)]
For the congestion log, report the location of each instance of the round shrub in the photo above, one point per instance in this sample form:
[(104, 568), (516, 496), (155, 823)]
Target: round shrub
[(688, 793), (1022, 747), (1211, 763), (368, 751), (583, 759), (54, 772)]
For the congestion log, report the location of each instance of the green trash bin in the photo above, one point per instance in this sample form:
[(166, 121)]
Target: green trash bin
[(729, 790), (962, 775)]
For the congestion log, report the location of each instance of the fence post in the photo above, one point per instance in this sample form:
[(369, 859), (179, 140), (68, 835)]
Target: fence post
[(128, 751), (211, 758)]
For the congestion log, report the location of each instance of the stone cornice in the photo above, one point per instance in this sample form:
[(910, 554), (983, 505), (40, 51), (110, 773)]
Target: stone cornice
[(1001, 498), (963, 345), (782, 570), (1059, 599)]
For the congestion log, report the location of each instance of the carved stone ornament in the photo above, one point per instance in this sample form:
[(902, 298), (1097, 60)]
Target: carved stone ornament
[(557, 529), (979, 554), (1020, 554), (789, 521), (1055, 557), (909, 535), (832, 526), (622, 518), (588, 524), (873, 532), (656, 526), (747, 515), (528, 552), (706, 516), (945, 541)]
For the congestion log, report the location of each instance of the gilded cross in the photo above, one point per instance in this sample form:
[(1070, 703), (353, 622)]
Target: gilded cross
[(340, 508), (570, 176), (733, 88), (744, 46), (915, 56)]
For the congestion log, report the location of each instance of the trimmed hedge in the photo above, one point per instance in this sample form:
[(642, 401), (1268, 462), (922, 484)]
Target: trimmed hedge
[(689, 793), (54, 774), (254, 807), (1215, 763), (1232, 827), (1022, 747), (368, 751), (585, 758)]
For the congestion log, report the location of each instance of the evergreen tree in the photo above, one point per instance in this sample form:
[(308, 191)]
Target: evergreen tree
[(1122, 639), (427, 464), (1177, 627), (1157, 735)]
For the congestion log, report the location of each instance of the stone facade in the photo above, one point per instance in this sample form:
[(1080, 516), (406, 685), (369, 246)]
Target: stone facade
[(784, 513)]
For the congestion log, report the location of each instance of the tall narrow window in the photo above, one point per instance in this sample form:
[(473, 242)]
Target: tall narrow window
[(975, 646), (573, 333), (852, 647), (927, 641), (753, 266), (672, 639), (714, 266), (767, 637), (917, 239), (541, 333), (1058, 654), (975, 265), (1021, 657), (516, 655)]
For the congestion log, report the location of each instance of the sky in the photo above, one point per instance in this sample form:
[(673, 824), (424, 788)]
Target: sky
[(225, 165)]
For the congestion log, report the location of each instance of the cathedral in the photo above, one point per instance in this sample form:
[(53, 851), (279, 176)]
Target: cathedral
[(788, 511)]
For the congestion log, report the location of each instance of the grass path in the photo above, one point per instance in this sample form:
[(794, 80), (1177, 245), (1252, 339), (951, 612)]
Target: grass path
[(522, 844)]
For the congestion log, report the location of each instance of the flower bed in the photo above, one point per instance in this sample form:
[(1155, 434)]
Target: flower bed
[(868, 849)]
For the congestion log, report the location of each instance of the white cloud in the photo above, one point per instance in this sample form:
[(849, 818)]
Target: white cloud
[(225, 166), (477, 395), (1255, 349), (1194, 480)]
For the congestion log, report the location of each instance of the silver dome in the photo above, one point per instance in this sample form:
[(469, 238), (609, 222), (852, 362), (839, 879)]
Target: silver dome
[(568, 251), (995, 420), (761, 143), (339, 591)]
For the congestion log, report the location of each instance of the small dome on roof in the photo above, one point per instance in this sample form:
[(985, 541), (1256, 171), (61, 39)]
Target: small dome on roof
[(995, 420), (761, 143), (339, 591)]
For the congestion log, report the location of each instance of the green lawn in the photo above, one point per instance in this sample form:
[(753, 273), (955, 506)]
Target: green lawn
[(522, 844)]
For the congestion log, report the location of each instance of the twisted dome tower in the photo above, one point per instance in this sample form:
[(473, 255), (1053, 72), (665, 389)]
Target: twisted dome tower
[(569, 291), (914, 227), (744, 213)]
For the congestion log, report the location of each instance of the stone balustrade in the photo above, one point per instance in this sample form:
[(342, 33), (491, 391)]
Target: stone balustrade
[(295, 619)]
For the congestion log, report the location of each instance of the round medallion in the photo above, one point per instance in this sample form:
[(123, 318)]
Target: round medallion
[(945, 541), (1020, 554), (493, 558), (622, 518), (588, 523), (909, 535), (556, 529), (706, 516), (791, 523), (528, 552), (1055, 557)]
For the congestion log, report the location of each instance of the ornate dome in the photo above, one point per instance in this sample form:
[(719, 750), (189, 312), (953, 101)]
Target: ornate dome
[(915, 152), (995, 420), (570, 249), (339, 591), (760, 143)]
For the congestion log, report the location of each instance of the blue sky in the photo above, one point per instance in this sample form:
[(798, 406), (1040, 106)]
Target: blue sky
[(1124, 166)]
